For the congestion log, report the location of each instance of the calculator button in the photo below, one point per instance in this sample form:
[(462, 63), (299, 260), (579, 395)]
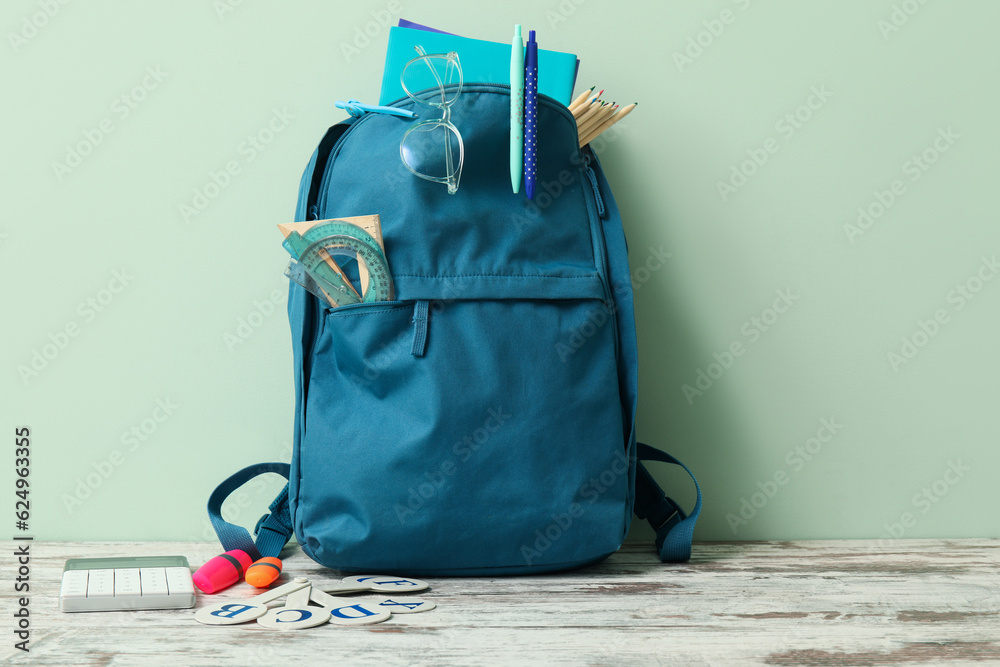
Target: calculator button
[(179, 580), (101, 583), (74, 584), (127, 583), (153, 581)]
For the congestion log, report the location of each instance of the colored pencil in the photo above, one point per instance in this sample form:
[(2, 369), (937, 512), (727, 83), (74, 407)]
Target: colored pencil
[(581, 98), (594, 132), (584, 128)]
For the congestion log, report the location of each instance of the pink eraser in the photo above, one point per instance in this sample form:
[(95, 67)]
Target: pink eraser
[(222, 571)]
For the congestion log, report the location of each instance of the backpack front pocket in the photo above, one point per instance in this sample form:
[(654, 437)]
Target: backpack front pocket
[(495, 443)]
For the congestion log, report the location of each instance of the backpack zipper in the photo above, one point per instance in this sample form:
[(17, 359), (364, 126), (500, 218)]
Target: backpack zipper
[(320, 204), (596, 228), (600, 248), (592, 177)]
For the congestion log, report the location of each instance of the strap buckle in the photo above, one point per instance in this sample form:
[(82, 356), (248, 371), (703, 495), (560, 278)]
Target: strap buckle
[(659, 526), (272, 522), (665, 515), (674, 528), (274, 519)]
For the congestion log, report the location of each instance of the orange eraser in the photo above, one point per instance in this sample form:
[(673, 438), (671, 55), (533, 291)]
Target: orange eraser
[(263, 572)]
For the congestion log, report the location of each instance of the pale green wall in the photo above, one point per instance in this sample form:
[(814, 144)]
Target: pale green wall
[(163, 336)]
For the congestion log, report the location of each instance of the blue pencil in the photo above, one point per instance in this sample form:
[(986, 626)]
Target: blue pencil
[(530, 113)]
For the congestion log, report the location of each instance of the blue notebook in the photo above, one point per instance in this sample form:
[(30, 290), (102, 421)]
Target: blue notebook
[(482, 62)]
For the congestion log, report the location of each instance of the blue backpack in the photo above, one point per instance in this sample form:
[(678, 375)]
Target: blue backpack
[(482, 423)]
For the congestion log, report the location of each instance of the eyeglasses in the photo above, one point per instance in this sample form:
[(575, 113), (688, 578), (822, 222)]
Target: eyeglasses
[(432, 149)]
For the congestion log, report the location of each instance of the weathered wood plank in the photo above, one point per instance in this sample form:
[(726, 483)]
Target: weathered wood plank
[(747, 603)]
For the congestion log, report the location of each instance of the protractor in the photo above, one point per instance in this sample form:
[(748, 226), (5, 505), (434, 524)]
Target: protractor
[(319, 232), (315, 256)]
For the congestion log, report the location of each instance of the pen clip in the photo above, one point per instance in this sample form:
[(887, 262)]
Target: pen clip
[(356, 109)]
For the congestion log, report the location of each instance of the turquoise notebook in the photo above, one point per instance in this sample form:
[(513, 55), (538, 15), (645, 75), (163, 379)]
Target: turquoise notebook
[(482, 62)]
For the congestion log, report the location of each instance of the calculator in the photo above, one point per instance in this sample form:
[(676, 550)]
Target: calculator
[(118, 584)]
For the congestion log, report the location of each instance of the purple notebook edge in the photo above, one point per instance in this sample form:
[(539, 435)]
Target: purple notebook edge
[(403, 23)]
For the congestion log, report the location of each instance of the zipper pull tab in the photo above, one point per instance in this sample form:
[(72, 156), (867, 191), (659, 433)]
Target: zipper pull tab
[(421, 313), (313, 213), (358, 110), (592, 177)]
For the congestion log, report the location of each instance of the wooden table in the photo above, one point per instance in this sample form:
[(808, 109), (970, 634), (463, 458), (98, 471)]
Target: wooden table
[(896, 602)]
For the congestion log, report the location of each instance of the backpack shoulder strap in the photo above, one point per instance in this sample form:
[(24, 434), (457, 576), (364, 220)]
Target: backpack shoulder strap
[(273, 530), (674, 529)]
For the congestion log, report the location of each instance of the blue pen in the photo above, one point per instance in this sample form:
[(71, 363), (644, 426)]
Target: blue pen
[(530, 113)]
